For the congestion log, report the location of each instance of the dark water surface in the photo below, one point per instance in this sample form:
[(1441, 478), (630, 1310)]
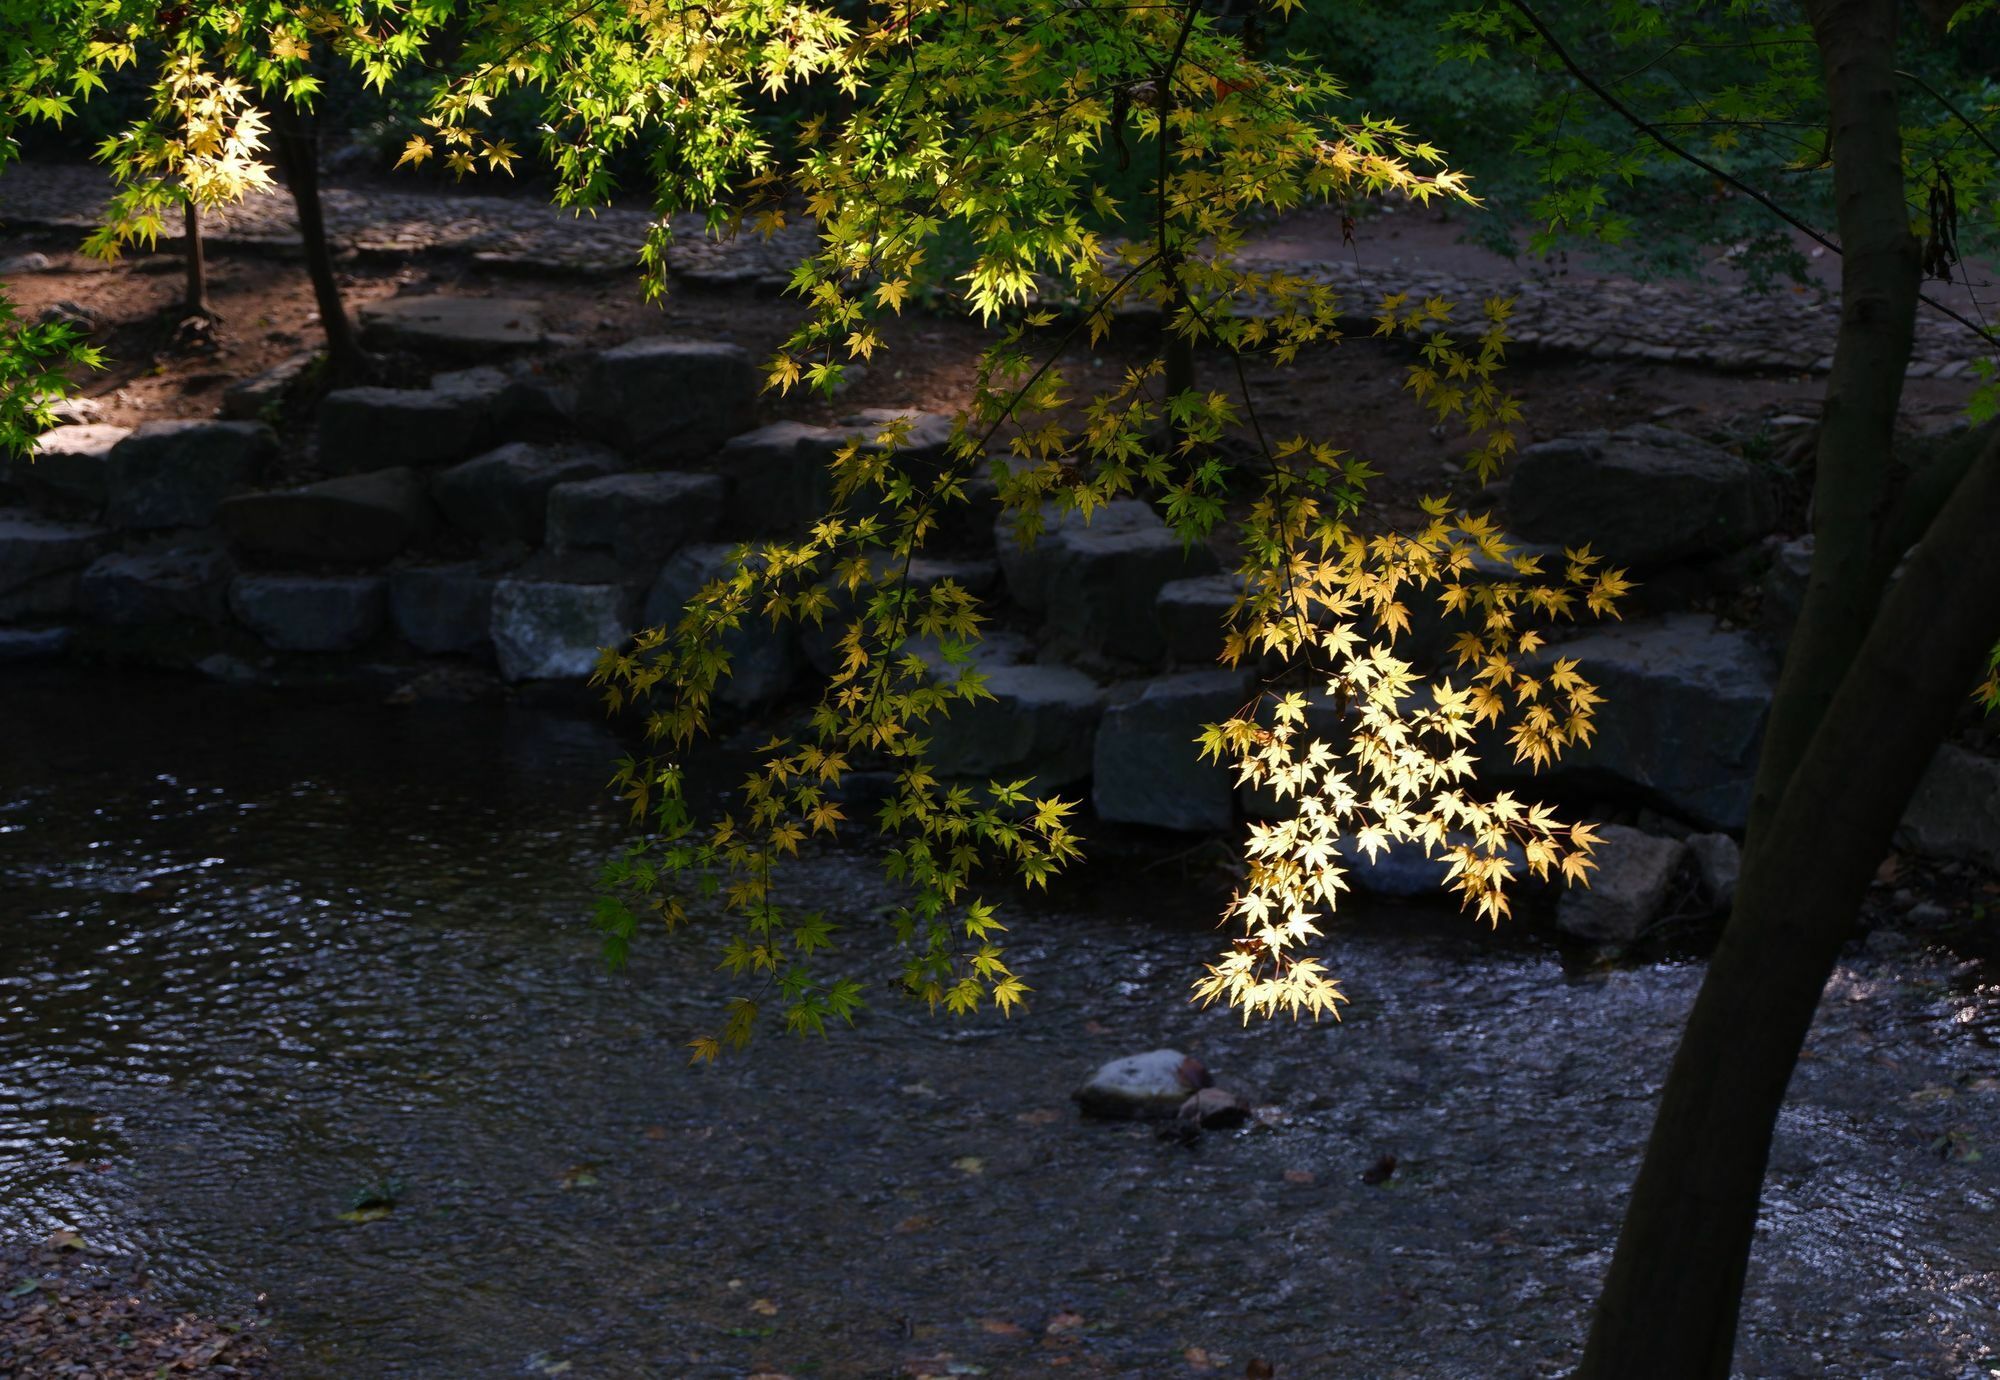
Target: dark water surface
[(258, 958)]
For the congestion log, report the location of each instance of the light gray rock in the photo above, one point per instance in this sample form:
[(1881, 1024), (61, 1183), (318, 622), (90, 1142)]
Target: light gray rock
[(309, 613), (1193, 614), (32, 644), (464, 327), (31, 262), (1095, 583), (1137, 1086), (259, 396), (641, 519), (171, 585), (1040, 724), (1628, 890), (33, 548), (927, 437), (1642, 498), (778, 479), (359, 519), (1147, 766), (369, 428), (659, 399), (1682, 718), (1718, 861), (503, 495), (442, 609), (548, 631), (1955, 812), (70, 466), (763, 660), (175, 474)]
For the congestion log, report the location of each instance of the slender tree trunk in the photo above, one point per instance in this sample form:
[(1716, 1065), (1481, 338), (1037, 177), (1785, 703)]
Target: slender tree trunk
[(298, 158), (1868, 691), (195, 301)]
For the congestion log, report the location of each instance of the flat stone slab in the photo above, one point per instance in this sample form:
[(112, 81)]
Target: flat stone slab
[(663, 400), (1041, 724), (32, 644), (1096, 581), (638, 518), (140, 588), (442, 609), (310, 613), (543, 630), (359, 519), (466, 326), (778, 479), (1147, 766), (364, 429), (32, 548), (1193, 613), (70, 466), (503, 495), (176, 474)]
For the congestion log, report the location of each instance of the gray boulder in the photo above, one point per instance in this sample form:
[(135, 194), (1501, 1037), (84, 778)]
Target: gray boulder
[(763, 659), (256, 398), (641, 519), (172, 585), (1153, 1085), (175, 474), (1682, 718), (1643, 497), (442, 609), (359, 519), (1408, 871), (367, 428), (548, 631), (778, 479), (503, 495), (659, 399), (464, 327), (1718, 861), (1955, 812), (1096, 582), (70, 466), (515, 397), (309, 613), (33, 549), (1193, 614), (1040, 724), (1147, 767), (32, 644), (1628, 891)]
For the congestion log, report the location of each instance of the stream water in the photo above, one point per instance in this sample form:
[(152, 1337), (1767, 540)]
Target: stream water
[(262, 961)]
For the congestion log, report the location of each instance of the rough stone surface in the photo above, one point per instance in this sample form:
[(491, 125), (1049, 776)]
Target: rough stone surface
[(1147, 767), (1955, 812), (1039, 724), (1628, 890), (1214, 1109), (548, 631), (778, 480), (32, 644), (638, 518), (763, 660), (368, 428), (1643, 497), (1138, 1085), (460, 326), (503, 495), (1407, 871), (257, 397), (356, 519), (1192, 613), (175, 474), (659, 399), (176, 584), (33, 549), (1096, 583), (442, 609), (1784, 591), (70, 468), (515, 397), (1682, 718), (309, 613), (1718, 861)]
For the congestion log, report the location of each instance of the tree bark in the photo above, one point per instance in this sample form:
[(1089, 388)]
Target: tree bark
[(1868, 691), (298, 159), (195, 299)]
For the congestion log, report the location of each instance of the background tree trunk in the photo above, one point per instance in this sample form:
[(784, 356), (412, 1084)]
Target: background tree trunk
[(195, 299), (1868, 690), (298, 158)]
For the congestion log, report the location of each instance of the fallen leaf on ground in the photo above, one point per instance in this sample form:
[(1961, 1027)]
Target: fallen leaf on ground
[(970, 1164), (1198, 1358), (910, 1224), (1300, 1176), (1041, 1116), (1062, 1322), (764, 1308), (656, 1133), (1000, 1327)]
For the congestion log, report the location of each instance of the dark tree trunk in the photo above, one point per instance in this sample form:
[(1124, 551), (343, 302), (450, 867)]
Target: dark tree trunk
[(298, 158), (1869, 689), (196, 297)]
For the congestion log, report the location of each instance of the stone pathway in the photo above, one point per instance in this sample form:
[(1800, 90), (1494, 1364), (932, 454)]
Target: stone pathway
[(1691, 323)]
